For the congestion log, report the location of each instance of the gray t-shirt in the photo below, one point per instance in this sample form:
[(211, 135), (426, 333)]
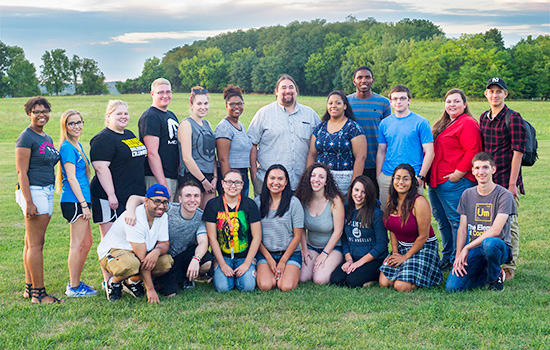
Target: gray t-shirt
[(203, 146), (43, 157), (183, 232), (320, 228), (239, 151), (277, 232), (481, 211)]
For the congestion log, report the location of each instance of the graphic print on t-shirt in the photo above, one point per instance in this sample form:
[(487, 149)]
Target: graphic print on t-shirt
[(240, 241), (49, 151), (484, 212), (138, 149), (172, 131)]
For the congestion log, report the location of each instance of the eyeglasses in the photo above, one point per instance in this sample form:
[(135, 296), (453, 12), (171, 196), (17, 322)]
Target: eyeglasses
[(162, 93), (43, 112), (402, 99), (158, 202), (235, 104), (73, 124), (399, 178), (230, 183)]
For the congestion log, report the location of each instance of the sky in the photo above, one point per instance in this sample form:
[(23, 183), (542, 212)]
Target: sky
[(121, 34)]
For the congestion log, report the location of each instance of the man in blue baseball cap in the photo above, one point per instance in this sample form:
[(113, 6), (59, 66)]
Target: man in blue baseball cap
[(135, 254)]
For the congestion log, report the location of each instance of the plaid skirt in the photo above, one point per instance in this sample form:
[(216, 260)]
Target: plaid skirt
[(422, 269)]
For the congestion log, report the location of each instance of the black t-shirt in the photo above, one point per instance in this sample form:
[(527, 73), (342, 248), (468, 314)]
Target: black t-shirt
[(248, 213), (163, 125), (127, 155)]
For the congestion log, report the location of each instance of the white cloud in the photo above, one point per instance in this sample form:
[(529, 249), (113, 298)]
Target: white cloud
[(145, 37)]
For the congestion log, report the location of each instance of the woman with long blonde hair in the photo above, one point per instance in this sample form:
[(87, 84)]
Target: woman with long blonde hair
[(73, 181)]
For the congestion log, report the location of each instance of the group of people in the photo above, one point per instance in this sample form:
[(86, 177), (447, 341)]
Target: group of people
[(327, 191)]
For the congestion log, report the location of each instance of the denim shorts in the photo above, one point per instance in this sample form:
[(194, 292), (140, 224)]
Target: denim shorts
[(295, 259), (320, 250), (42, 197)]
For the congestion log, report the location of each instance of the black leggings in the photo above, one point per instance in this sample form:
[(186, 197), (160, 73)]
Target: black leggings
[(363, 274)]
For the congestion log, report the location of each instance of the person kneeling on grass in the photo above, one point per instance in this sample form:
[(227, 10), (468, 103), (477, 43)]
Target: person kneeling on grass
[(187, 236), (485, 212), (365, 239), (135, 254)]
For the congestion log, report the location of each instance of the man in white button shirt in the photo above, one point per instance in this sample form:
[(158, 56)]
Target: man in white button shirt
[(281, 133)]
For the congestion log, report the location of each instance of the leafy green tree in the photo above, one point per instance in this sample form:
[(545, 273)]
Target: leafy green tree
[(152, 69), (22, 80), (93, 79), (170, 64), (266, 73), (240, 69), (531, 68), (75, 68), (55, 71), (321, 69), (208, 68)]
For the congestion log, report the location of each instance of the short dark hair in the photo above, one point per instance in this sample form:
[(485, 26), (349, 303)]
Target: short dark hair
[(362, 68), (400, 88), (484, 157), (235, 171), (232, 90), (286, 77), (39, 100), (188, 183)]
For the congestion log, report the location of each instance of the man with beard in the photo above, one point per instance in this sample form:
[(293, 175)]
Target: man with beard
[(158, 131), (369, 109), (133, 255), (281, 133)]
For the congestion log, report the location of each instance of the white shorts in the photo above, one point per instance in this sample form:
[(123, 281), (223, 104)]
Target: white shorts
[(42, 197)]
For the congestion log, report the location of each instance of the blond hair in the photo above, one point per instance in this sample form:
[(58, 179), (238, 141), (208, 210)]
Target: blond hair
[(64, 135), (113, 104), (160, 81)]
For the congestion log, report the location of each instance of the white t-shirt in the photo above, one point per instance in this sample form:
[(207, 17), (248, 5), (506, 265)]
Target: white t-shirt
[(121, 234)]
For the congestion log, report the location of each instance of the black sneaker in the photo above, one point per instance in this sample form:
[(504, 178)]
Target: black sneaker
[(498, 285), (445, 265), (187, 285), (113, 290), (134, 289)]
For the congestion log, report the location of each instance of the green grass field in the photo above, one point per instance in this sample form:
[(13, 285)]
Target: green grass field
[(310, 316)]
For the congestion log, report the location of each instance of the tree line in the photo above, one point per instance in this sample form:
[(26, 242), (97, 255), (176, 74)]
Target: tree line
[(18, 75), (321, 57)]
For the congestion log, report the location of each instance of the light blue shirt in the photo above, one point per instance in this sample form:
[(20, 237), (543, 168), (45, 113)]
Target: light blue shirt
[(404, 138), (69, 154), (283, 138), (239, 151)]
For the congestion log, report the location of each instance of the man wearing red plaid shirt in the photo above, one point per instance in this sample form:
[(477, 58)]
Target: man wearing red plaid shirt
[(507, 144)]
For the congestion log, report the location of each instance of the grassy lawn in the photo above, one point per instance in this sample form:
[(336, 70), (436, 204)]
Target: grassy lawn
[(309, 317)]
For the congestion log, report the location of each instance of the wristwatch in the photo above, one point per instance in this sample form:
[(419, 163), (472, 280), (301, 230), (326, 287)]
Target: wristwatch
[(421, 177)]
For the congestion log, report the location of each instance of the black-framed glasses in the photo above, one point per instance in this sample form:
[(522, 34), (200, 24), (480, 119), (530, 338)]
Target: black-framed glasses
[(73, 124), (230, 183), (43, 112), (158, 202), (235, 104)]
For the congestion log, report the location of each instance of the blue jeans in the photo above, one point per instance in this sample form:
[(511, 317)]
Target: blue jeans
[(444, 200), (246, 283), (483, 265)]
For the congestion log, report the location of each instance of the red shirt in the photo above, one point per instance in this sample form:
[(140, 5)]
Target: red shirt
[(455, 148)]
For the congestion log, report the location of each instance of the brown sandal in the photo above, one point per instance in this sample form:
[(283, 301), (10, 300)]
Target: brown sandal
[(27, 294), (40, 293)]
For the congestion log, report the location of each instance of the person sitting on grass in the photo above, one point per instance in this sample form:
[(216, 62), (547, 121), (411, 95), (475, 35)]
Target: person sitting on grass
[(485, 212), (234, 232), (279, 258), (135, 254), (414, 260), (365, 239), (187, 236)]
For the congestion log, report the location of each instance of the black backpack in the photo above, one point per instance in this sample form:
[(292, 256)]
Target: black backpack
[(531, 144)]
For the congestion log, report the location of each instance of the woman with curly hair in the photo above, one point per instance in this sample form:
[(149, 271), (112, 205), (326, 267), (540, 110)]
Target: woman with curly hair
[(414, 260), (324, 221)]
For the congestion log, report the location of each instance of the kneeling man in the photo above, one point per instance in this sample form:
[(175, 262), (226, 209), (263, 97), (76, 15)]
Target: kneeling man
[(135, 254), (485, 215)]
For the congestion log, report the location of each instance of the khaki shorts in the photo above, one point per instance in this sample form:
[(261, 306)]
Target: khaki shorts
[(124, 263)]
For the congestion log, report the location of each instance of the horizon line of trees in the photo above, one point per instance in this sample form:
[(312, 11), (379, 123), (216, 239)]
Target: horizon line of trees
[(321, 57)]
